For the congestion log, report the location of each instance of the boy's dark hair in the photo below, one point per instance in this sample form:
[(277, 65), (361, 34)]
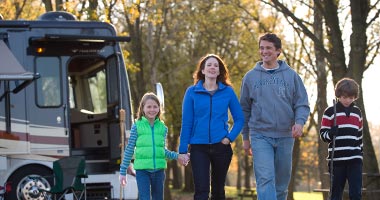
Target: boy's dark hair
[(347, 87), (271, 37)]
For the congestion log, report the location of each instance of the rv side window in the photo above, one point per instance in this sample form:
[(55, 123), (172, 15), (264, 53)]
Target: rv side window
[(49, 84), (97, 84)]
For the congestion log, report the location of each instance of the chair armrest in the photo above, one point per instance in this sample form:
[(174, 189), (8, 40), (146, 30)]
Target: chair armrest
[(82, 176)]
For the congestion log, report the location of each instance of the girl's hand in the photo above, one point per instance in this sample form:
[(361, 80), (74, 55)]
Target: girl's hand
[(123, 180)]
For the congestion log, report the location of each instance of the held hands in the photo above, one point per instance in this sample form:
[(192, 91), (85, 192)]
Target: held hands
[(123, 180), (184, 159)]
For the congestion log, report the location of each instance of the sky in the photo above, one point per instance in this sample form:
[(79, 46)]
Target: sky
[(371, 92)]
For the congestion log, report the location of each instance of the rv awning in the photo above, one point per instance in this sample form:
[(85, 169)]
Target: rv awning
[(10, 68)]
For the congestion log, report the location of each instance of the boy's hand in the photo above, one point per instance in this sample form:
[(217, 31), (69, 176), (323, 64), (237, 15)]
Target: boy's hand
[(334, 131)]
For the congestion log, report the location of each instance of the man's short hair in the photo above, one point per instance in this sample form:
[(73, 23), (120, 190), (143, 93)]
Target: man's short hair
[(271, 37)]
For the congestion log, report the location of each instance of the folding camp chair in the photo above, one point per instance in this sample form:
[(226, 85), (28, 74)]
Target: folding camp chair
[(68, 175)]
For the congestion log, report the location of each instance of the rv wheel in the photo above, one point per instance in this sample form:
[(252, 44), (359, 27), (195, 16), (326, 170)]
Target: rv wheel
[(27, 181)]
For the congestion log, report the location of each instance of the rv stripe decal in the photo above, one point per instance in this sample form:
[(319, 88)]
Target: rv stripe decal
[(33, 139)]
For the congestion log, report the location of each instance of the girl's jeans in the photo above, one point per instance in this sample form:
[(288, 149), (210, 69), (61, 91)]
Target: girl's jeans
[(150, 184), (272, 159)]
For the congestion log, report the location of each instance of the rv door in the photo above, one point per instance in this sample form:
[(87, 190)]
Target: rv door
[(47, 108)]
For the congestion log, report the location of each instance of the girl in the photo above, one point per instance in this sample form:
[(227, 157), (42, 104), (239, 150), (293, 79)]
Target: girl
[(147, 143)]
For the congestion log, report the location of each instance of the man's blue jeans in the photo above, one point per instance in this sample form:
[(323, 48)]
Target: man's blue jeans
[(272, 164), (150, 184), (202, 157)]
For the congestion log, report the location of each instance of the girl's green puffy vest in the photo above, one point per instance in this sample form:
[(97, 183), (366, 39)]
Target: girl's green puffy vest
[(150, 145)]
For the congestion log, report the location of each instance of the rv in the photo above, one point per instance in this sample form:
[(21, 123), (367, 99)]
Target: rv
[(63, 84)]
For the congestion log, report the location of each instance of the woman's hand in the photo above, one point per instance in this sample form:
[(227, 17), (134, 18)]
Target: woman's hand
[(226, 141)]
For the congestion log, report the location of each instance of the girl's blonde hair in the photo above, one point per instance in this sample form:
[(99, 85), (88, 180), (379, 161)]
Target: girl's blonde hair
[(148, 95)]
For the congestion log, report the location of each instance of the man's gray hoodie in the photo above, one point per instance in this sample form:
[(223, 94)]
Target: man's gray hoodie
[(273, 102)]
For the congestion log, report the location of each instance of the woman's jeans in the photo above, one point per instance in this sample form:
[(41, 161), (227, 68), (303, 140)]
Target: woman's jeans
[(150, 184), (202, 156), (353, 174), (272, 159)]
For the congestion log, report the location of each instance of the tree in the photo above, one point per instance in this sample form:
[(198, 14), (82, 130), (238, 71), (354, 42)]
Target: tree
[(362, 52), (169, 36)]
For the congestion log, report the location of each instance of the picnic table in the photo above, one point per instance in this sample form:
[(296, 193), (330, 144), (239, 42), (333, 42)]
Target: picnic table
[(370, 177)]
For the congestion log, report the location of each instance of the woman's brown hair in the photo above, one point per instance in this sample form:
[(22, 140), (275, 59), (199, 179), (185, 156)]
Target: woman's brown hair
[(223, 76)]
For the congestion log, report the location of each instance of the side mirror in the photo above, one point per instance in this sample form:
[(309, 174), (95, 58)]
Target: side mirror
[(160, 94)]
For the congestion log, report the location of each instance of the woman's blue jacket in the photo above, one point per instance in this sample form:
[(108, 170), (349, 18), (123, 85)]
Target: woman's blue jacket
[(205, 116)]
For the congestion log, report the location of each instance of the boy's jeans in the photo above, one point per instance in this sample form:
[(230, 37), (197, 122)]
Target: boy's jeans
[(272, 159), (353, 174), (150, 183)]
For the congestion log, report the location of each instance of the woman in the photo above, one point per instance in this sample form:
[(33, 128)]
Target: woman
[(205, 130)]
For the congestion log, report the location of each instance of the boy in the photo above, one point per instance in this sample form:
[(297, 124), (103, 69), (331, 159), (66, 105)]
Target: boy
[(348, 151)]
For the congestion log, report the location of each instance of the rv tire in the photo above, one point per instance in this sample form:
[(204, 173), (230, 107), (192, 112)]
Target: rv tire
[(26, 181)]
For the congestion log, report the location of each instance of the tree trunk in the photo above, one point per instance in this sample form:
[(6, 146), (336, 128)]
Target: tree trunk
[(356, 65), (326, 18), (321, 98), (296, 153), (189, 186), (176, 176), (370, 164), (58, 5), (247, 171), (137, 58), (167, 193), (48, 5), (239, 173)]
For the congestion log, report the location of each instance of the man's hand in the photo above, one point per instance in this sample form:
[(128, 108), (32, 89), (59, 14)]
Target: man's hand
[(297, 130), (247, 147)]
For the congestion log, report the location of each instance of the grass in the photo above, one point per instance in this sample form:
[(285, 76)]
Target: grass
[(308, 196), (232, 192)]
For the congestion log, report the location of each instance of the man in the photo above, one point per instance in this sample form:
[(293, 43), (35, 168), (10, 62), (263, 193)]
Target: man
[(276, 107)]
